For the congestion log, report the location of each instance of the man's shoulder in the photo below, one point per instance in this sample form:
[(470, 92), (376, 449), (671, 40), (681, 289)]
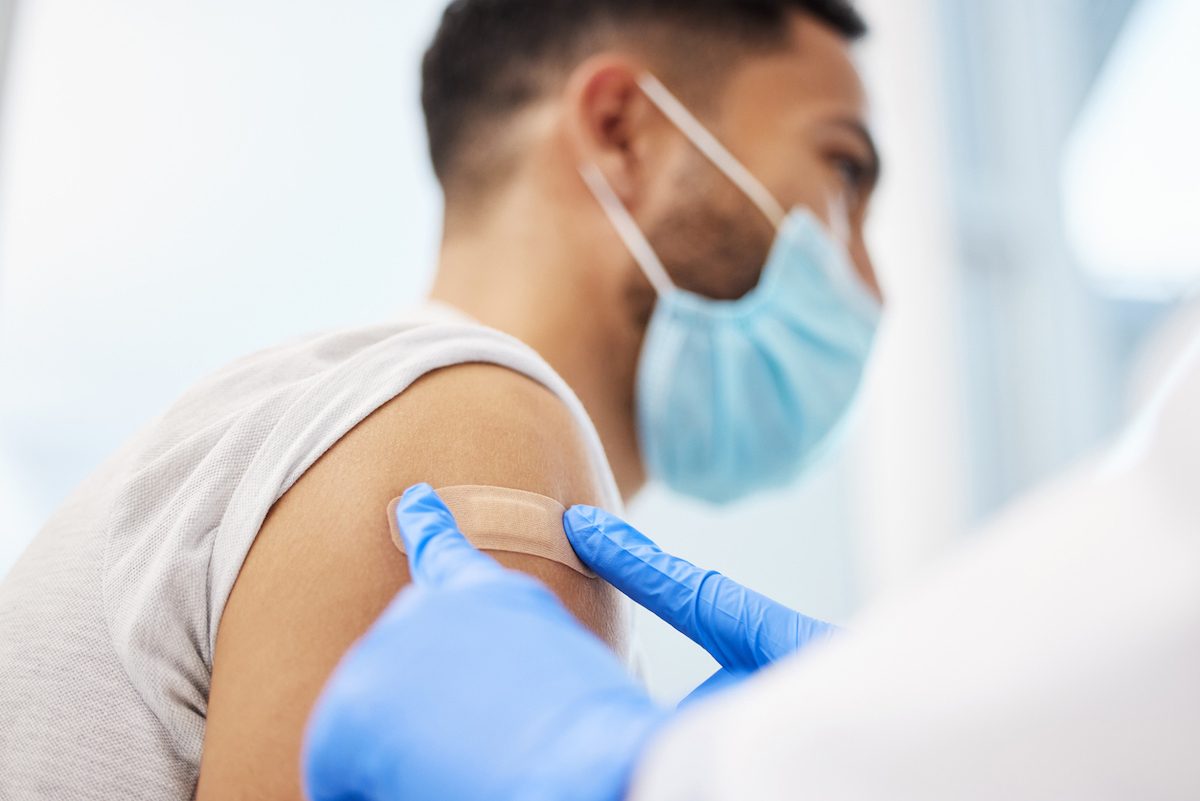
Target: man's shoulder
[(470, 424)]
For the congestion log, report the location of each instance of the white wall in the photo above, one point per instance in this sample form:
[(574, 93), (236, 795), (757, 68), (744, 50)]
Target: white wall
[(182, 183), (911, 454), (1131, 176)]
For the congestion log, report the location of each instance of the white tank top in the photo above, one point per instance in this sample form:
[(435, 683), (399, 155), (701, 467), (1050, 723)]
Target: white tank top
[(109, 621)]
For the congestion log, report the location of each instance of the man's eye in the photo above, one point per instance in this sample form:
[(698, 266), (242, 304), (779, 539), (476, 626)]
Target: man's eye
[(851, 171)]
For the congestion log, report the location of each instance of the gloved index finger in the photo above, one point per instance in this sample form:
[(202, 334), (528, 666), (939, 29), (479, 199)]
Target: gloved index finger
[(438, 553), (740, 628)]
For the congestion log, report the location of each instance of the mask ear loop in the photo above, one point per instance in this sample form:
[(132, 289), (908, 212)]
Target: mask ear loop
[(839, 219), (708, 144), (628, 230)]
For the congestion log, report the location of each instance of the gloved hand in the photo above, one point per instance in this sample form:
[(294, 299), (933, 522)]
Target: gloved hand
[(740, 628), (475, 683)]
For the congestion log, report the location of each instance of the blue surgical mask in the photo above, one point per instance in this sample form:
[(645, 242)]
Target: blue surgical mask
[(744, 395)]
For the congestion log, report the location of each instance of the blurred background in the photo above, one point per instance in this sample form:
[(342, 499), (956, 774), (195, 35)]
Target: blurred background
[(183, 183)]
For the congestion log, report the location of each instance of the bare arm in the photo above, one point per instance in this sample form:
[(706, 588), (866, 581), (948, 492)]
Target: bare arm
[(323, 566)]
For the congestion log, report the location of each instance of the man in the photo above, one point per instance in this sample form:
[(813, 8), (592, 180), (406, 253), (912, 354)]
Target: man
[(622, 290)]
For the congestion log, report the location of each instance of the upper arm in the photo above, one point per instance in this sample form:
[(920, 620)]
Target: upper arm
[(323, 566)]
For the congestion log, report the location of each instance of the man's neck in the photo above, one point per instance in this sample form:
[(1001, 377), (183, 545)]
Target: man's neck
[(536, 278)]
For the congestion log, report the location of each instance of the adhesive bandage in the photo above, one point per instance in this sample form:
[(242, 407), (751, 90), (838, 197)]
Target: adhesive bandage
[(498, 519)]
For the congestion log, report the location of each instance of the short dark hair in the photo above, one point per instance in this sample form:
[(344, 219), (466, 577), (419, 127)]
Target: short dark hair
[(492, 57)]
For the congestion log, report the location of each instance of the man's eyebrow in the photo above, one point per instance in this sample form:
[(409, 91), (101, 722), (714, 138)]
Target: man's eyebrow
[(875, 162)]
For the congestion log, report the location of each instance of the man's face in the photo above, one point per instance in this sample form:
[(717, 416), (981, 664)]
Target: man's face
[(797, 120)]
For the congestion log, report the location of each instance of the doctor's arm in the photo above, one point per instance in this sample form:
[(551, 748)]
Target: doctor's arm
[(323, 567)]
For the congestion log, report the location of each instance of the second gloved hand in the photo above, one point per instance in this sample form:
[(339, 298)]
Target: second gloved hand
[(740, 628)]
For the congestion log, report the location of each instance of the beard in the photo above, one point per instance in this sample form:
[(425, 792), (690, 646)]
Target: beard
[(714, 241)]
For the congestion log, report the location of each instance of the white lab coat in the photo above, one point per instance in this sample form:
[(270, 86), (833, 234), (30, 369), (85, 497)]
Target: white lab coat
[(1058, 657)]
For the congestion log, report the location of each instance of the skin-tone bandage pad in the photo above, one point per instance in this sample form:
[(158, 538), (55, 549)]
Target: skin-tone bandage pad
[(498, 519)]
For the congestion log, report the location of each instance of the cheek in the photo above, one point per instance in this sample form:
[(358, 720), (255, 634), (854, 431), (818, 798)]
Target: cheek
[(809, 180), (711, 238), (684, 177), (715, 249)]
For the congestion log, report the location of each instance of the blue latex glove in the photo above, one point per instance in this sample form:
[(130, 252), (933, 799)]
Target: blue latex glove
[(476, 683), (740, 628)]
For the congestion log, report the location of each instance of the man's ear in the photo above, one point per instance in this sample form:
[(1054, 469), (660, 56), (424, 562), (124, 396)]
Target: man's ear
[(609, 122)]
